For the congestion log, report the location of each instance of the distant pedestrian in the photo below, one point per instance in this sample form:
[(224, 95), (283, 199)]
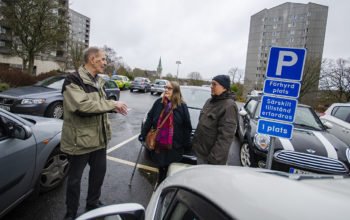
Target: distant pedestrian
[(86, 129), (217, 124), (174, 136)]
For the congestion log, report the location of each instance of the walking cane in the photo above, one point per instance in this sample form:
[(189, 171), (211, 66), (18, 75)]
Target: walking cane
[(137, 161)]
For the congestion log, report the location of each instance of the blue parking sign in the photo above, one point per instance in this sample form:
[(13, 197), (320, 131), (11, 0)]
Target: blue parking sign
[(286, 63)]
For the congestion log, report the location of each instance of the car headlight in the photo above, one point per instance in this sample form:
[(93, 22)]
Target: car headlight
[(32, 101), (262, 141), (348, 154)]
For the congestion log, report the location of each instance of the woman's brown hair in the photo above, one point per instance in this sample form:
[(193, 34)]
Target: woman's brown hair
[(176, 98)]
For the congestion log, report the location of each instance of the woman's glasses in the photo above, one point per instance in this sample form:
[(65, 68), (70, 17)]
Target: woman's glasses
[(168, 88)]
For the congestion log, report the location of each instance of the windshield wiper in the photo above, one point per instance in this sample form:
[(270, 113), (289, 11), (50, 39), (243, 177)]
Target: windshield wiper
[(194, 108), (307, 126)]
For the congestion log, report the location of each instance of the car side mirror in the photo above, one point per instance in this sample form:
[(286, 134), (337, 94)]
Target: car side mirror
[(21, 132), (243, 112), (328, 125), (120, 211)]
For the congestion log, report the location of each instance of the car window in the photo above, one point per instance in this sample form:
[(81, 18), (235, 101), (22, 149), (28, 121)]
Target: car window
[(187, 205), (137, 79), (52, 82), (111, 85), (165, 202), (342, 112), (304, 117), (4, 127), (194, 97), (250, 106)]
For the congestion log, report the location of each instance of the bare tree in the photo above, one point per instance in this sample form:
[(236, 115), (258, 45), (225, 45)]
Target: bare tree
[(311, 75), (194, 76), (336, 79), (76, 54), (233, 72), (37, 26)]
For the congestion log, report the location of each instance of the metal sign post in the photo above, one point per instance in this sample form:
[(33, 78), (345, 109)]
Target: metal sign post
[(269, 158), (281, 90)]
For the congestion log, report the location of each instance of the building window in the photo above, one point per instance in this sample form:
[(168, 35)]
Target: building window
[(275, 26), (2, 30), (292, 32), (2, 43), (291, 24)]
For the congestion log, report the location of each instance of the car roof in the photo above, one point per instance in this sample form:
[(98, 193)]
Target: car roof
[(196, 87), (248, 193)]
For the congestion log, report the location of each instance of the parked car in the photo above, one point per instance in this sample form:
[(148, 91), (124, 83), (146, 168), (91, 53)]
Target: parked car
[(254, 94), (141, 84), (123, 82), (195, 98), (158, 86), (229, 192), (104, 76), (30, 157), (44, 98), (311, 149), (338, 114)]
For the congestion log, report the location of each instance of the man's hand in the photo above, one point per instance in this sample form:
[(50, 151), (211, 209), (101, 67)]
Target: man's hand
[(121, 107)]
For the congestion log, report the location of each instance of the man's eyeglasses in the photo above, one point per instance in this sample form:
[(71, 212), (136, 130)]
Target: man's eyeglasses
[(168, 88)]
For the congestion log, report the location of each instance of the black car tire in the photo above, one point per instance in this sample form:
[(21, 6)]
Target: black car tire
[(246, 157), (55, 110), (55, 171)]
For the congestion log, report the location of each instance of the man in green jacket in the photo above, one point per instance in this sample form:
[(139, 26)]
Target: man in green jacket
[(86, 129), (217, 124)]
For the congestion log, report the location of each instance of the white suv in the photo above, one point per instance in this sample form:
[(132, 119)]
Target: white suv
[(339, 115)]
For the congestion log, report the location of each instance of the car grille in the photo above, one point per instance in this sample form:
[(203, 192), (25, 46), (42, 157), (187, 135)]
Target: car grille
[(312, 162), (6, 101)]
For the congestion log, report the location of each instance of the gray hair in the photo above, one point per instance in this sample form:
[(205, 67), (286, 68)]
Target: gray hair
[(88, 52)]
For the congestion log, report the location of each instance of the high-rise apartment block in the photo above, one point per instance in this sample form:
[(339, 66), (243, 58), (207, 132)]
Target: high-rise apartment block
[(79, 28), (286, 25)]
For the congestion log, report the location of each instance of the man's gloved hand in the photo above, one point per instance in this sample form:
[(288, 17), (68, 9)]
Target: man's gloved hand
[(141, 138)]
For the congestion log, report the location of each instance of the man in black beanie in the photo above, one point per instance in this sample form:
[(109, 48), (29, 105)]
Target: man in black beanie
[(217, 124)]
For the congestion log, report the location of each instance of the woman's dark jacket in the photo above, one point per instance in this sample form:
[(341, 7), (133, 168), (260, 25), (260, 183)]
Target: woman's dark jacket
[(181, 136)]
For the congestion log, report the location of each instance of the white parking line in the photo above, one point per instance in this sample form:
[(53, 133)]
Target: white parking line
[(121, 144), (141, 166)]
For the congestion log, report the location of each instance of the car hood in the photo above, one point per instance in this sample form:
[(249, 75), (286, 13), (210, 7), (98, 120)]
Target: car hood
[(320, 143), (44, 128), (29, 92)]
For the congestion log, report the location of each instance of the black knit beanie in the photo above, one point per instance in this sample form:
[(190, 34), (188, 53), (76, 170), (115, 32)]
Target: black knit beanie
[(223, 80)]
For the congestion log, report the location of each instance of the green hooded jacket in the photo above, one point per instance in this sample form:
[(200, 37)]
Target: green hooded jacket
[(86, 127)]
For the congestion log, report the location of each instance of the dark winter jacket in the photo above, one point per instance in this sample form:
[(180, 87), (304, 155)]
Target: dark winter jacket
[(85, 126), (181, 136), (216, 128)]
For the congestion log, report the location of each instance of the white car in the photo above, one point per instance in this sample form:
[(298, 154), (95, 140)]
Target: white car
[(338, 114), (230, 192)]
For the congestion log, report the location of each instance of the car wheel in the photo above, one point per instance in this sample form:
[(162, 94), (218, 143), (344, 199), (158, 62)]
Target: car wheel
[(55, 170), (55, 110), (247, 158)]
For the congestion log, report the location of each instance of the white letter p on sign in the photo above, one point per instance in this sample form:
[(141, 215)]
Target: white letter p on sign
[(282, 63)]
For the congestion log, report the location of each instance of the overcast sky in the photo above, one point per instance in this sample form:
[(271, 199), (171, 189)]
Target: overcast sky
[(207, 36)]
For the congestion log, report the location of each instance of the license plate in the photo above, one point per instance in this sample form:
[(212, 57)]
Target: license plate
[(298, 171), (7, 108)]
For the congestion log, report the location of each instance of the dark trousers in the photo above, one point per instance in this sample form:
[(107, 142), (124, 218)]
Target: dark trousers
[(97, 162)]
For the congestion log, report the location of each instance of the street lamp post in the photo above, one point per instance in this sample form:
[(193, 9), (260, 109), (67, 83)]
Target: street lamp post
[(178, 64)]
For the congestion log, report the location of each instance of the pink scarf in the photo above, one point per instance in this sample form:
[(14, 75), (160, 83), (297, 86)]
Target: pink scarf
[(164, 139)]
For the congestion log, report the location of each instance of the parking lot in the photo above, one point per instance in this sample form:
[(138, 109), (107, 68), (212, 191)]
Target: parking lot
[(122, 153)]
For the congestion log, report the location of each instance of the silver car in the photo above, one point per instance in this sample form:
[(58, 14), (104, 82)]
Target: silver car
[(158, 86), (229, 192), (30, 158)]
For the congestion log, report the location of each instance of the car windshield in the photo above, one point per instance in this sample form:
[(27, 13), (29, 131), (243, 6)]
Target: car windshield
[(195, 97), (304, 118), (54, 82), (139, 79), (116, 77)]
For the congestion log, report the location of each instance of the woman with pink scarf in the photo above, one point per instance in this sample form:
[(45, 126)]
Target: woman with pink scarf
[(174, 134)]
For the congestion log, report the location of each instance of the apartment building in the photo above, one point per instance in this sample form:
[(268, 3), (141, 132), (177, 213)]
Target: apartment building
[(286, 25)]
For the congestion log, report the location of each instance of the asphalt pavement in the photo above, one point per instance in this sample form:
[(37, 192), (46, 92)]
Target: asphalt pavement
[(121, 156)]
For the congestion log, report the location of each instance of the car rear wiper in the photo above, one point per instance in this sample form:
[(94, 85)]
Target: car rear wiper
[(307, 126), (194, 108)]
